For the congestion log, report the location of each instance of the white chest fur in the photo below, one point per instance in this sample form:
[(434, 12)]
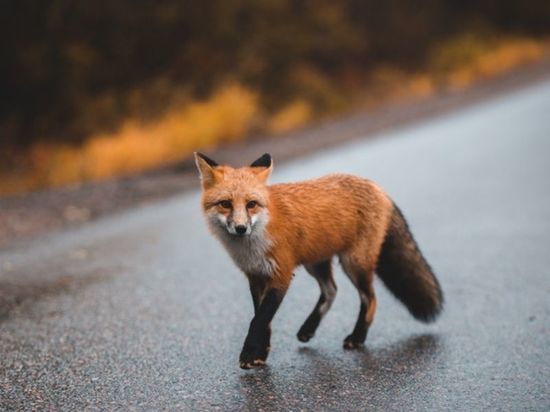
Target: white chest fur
[(250, 252)]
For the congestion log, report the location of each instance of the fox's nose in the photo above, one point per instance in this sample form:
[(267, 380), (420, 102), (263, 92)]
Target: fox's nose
[(240, 229)]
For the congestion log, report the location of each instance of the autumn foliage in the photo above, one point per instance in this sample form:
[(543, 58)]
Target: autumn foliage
[(96, 89)]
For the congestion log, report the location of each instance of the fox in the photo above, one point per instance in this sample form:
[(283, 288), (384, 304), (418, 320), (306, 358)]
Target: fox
[(270, 230)]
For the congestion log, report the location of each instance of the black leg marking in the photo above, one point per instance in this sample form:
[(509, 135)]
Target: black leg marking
[(257, 290), (357, 338), (323, 273), (362, 280), (256, 344), (307, 331)]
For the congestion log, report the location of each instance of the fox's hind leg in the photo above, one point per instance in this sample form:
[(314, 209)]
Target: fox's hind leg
[(361, 274), (322, 272)]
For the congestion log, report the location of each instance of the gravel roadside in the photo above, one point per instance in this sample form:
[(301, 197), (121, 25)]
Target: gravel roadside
[(26, 216)]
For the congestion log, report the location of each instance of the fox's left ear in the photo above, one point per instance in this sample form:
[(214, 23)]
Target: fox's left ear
[(206, 168), (262, 167)]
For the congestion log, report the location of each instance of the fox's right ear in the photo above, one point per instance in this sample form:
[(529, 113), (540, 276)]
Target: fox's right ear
[(206, 168), (262, 167)]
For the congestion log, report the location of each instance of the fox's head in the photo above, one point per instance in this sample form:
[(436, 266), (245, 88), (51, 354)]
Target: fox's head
[(235, 200)]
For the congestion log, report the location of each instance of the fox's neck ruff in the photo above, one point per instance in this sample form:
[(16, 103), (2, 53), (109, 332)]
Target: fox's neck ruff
[(250, 253)]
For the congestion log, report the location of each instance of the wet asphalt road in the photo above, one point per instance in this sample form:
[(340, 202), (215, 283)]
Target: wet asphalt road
[(144, 311)]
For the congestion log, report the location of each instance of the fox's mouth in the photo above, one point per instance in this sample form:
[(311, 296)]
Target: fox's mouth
[(239, 235), (239, 230)]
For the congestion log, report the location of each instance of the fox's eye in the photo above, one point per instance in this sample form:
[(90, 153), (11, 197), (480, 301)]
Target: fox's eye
[(226, 204), (251, 204)]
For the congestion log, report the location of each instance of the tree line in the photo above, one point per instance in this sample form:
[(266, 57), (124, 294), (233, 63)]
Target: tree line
[(69, 68)]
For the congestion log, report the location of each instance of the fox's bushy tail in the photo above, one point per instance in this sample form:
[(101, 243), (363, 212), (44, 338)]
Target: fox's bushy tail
[(406, 273)]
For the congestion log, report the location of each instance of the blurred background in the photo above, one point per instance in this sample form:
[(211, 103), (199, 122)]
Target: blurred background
[(91, 90)]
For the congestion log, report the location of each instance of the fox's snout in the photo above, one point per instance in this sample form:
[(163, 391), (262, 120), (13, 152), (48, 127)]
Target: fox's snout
[(241, 229), (238, 229), (238, 222)]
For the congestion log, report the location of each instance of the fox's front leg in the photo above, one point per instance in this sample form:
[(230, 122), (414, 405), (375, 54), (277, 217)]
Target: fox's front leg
[(267, 299), (258, 285)]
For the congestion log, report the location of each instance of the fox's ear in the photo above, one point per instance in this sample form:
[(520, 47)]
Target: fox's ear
[(262, 167), (206, 168)]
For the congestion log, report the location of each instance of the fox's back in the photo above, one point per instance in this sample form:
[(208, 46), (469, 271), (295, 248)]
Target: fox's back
[(324, 216)]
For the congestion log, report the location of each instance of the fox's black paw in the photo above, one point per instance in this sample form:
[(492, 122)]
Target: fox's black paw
[(304, 337), (304, 334), (351, 342), (252, 356), (307, 331)]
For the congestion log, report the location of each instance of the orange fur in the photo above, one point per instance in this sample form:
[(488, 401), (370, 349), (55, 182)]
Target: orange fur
[(312, 221)]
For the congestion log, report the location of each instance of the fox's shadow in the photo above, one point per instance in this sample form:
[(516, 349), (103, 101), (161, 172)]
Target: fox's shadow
[(413, 352), (400, 363)]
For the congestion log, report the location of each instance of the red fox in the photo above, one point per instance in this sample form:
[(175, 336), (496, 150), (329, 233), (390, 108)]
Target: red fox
[(270, 230)]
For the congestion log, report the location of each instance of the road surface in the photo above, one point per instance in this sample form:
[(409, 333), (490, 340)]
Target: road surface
[(143, 310)]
